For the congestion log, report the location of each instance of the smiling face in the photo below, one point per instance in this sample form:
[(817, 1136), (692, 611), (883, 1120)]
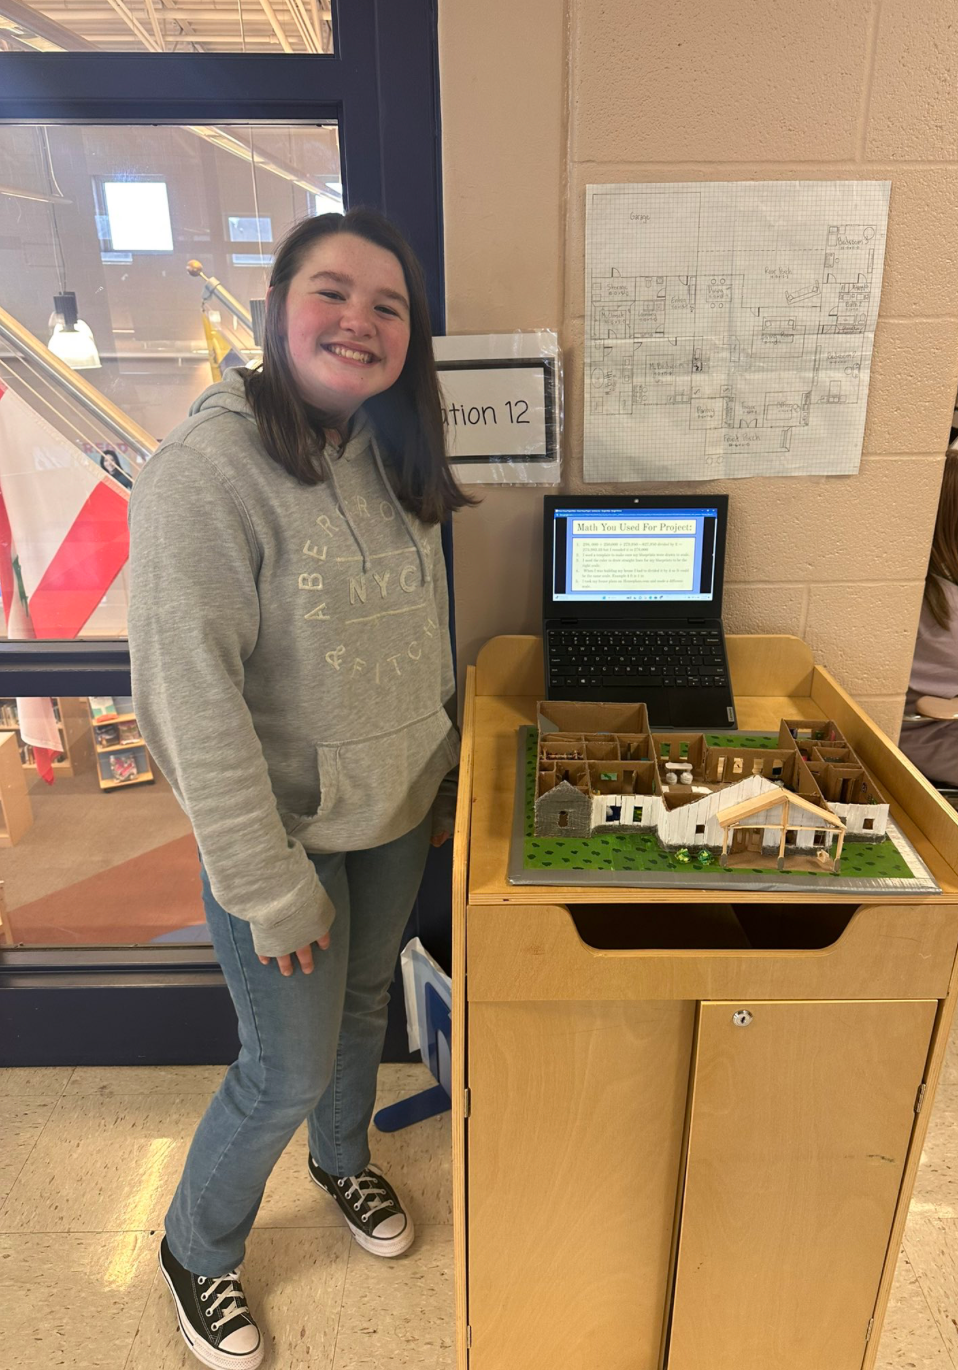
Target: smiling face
[(347, 323)]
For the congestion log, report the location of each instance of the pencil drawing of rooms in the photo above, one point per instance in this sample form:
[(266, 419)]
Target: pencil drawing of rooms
[(600, 769)]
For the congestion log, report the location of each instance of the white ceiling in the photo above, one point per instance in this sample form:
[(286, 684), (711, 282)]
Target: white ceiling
[(167, 25)]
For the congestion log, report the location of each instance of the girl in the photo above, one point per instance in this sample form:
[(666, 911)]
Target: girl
[(291, 673)]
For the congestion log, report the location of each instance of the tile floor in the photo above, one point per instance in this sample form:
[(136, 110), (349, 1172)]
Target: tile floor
[(88, 1161), (89, 1157)]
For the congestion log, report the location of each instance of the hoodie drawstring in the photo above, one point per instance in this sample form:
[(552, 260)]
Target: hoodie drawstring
[(341, 506), (377, 457), (357, 537)]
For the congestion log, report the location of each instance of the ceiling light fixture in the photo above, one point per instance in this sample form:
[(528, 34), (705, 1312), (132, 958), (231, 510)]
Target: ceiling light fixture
[(72, 340)]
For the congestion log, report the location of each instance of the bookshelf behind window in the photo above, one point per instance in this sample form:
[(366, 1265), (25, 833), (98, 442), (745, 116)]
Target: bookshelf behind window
[(73, 721), (121, 754), (16, 813)]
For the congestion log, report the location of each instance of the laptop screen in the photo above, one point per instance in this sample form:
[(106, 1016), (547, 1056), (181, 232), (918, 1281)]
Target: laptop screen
[(646, 555)]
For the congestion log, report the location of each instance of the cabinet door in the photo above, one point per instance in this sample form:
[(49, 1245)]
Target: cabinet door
[(799, 1130), (575, 1146)]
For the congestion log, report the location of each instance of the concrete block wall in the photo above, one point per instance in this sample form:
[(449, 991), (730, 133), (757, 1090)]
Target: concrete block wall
[(541, 98)]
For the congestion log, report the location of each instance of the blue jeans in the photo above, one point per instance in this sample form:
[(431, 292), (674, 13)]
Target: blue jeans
[(310, 1047)]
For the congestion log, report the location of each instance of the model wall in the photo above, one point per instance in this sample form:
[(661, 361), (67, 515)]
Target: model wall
[(678, 827), (541, 98)]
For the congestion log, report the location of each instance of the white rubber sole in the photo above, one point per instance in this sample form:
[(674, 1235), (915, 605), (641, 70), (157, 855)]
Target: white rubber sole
[(217, 1360), (391, 1246)]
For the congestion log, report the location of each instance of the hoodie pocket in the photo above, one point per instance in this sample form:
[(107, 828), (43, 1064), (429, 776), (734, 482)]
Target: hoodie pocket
[(373, 791)]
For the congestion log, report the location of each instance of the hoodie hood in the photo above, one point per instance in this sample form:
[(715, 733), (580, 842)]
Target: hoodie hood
[(229, 395)]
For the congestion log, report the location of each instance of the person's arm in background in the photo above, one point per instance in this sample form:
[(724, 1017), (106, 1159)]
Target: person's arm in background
[(934, 668), (194, 620)]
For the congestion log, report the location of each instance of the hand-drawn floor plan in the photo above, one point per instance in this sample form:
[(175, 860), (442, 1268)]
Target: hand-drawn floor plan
[(729, 327)]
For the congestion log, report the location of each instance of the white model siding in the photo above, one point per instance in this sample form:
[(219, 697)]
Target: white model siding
[(677, 828), (650, 804), (854, 817)]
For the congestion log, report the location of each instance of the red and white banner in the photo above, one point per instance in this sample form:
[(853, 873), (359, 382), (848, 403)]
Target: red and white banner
[(63, 541)]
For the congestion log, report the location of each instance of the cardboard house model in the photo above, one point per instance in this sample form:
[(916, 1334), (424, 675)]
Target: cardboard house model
[(600, 769)]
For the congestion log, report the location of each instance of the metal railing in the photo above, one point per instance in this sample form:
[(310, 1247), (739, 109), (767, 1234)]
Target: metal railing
[(80, 390)]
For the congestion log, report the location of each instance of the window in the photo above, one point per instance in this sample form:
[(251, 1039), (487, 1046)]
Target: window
[(666, 749), (329, 200), (683, 750), (738, 765), (613, 813), (699, 829), (821, 838), (126, 873), (563, 818), (869, 824), (637, 815), (720, 768), (161, 293), (250, 229), (188, 27), (137, 216), (223, 125)]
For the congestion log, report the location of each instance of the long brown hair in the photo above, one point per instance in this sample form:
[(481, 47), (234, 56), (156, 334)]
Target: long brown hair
[(943, 562), (407, 417)]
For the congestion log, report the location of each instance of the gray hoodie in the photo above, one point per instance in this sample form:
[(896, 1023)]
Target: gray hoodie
[(291, 659)]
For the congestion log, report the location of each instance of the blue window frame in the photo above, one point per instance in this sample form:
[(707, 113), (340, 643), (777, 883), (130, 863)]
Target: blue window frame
[(380, 85)]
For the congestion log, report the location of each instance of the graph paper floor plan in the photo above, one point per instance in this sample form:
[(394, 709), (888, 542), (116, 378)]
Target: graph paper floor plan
[(729, 327)]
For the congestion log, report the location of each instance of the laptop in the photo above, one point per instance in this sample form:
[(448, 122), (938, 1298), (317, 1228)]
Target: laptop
[(632, 605)]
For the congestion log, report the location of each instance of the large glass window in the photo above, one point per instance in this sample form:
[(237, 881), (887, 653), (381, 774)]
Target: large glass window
[(115, 312), (160, 26), (138, 257), (95, 848)]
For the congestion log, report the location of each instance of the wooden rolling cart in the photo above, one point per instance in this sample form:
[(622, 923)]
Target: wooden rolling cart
[(687, 1124), (73, 721)]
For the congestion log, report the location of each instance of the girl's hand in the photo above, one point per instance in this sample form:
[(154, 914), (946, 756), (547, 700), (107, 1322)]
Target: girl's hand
[(304, 956), (438, 838)]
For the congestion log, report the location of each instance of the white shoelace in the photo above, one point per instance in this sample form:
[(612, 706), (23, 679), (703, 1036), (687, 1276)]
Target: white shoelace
[(366, 1185), (230, 1289)]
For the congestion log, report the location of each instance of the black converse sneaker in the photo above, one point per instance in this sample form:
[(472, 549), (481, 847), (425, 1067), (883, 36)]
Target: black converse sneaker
[(372, 1208), (214, 1320)]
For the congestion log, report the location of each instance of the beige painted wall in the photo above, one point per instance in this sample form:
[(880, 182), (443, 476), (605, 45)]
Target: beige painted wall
[(542, 97)]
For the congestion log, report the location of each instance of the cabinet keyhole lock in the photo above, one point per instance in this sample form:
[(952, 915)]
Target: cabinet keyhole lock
[(742, 1017)]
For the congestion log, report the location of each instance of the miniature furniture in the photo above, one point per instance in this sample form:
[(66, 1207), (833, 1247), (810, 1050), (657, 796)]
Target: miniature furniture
[(16, 813), (687, 1124)]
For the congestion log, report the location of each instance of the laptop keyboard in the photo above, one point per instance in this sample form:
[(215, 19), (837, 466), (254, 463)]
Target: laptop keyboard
[(637, 658)]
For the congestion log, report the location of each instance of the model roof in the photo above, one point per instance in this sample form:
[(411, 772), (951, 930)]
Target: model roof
[(770, 799)]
